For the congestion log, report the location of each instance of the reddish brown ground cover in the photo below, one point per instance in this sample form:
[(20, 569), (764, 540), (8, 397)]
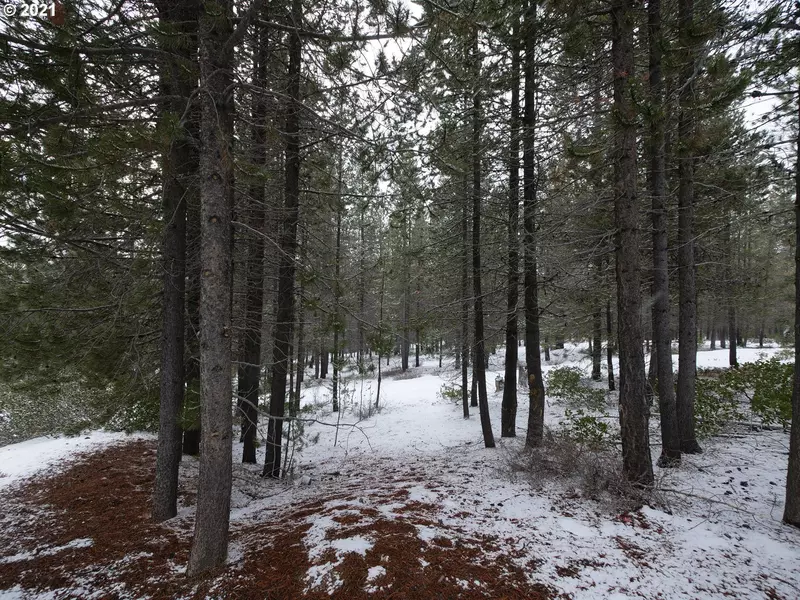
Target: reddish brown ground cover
[(105, 497)]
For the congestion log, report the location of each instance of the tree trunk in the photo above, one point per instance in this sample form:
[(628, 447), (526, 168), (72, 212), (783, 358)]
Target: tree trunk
[(179, 167), (633, 410), (533, 357), (294, 409), (508, 419), (732, 358), (480, 342), (284, 313), (465, 346), (791, 513), (191, 401), (337, 271), (210, 542), (670, 438), (610, 347), (324, 354), (687, 291), (249, 371)]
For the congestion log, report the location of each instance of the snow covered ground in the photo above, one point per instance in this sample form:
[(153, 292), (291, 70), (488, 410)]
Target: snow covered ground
[(713, 529)]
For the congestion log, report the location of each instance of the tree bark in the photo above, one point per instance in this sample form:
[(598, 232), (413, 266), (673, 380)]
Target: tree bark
[(791, 513), (179, 168), (687, 290), (633, 410), (731, 316), (210, 543), (533, 357), (508, 425), (249, 370), (480, 343), (284, 314), (670, 438), (336, 294), (465, 346)]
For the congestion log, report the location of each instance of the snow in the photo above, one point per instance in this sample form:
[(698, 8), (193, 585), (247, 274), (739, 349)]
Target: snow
[(25, 459), (79, 543), (712, 530)]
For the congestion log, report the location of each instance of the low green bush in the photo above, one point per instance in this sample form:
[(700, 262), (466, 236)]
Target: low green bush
[(586, 429), (765, 387), (567, 384)]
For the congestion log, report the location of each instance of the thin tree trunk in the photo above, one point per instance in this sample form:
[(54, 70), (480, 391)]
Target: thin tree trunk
[(284, 314), (533, 357), (249, 371), (732, 358), (294, 409), (670, 438), (337, 271), (191, 401), (791, 513), (179, 166), (480, 342), (610, 347), (687, 291), (636, 460), (508, 424), (465, 345), (210, 542)]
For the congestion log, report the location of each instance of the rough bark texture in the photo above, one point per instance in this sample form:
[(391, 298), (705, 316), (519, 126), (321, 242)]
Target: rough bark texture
[(465, 308), (791, 513), (508, 418), (179, 167), (480, 343), (210, 543), (687, 289), (633, 413), (337, 295), (191, 402), (284, 313), (532, 347), (670, 450), (249, 371)]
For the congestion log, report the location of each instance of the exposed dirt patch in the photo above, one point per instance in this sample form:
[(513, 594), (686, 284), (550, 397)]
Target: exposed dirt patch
[(87, 531)]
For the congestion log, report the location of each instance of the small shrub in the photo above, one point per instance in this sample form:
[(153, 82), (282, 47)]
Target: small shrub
[(589, 430), (765, 384), (768, 386), (594, 473), (450, 393), (566, 383), (714, 406)]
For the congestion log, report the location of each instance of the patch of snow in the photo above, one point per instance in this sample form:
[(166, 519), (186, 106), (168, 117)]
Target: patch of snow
[(47, 551), (25, 459)]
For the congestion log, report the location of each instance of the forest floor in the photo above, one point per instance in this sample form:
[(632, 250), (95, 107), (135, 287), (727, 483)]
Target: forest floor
[(407, 504)]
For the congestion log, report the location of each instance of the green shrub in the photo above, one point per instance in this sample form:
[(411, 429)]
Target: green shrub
[(765, 384), (589, 430), (714, 406), (566, 383), (450, 392)]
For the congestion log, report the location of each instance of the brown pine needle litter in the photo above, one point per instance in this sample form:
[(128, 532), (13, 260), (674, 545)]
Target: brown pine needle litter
[(86, 532)]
